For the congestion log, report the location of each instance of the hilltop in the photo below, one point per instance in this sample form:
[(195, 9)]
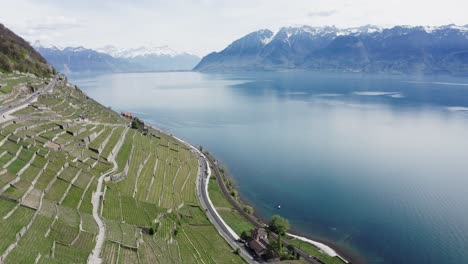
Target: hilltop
[(401, 49)]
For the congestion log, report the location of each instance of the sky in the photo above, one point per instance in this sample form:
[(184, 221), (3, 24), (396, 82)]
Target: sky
[(203, 26)]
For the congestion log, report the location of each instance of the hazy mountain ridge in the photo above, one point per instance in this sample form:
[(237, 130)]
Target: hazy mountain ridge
[(112, 59), (401, 49)]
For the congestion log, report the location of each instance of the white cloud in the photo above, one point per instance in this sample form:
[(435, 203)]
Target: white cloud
[(53, 23), (201, 26)]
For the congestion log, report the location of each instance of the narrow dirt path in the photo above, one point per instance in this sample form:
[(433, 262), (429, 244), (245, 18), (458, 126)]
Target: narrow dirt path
[(94, 257)]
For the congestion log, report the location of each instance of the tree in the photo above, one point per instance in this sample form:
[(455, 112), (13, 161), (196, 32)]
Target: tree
[(280, 244), (248, 209), (135, 124), (291, 248), (273, 250), (230, 183), (200, 148), (245, 235), (278, 225), (234, 193), (222, 169), (153, 228)]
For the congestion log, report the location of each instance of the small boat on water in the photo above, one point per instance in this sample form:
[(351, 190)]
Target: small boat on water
[(278, 206)]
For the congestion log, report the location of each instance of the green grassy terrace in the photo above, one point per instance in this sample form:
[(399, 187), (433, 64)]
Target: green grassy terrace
[(49, 166)]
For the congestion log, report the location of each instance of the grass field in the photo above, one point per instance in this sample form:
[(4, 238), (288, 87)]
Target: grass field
[(216, 196), (232, 218), (313, 251), (236, 221)]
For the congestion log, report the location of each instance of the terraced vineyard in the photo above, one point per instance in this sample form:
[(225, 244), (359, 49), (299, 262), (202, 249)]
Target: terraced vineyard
[(14, 86), (52, 154)]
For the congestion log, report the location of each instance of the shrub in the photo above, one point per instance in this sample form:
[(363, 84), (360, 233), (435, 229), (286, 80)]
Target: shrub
[(234, 193), (135, 125), (230, 183), (248, 209), (245, 235)]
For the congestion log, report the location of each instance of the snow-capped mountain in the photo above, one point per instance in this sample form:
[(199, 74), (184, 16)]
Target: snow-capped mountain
[(112, 59), (140, 52), (78, 59), (368, 48)]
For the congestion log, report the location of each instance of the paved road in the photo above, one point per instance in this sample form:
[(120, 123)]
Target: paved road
[(249, 217), (202, 183), (28, 100)]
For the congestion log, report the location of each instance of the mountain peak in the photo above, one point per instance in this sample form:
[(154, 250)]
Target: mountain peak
[(39, 45), (365, 48)]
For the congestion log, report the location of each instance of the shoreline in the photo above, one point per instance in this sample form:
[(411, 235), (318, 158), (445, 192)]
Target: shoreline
[(348, 255), (323, 247), (241, 250), (333, 251), (344, 254), (328, 247)]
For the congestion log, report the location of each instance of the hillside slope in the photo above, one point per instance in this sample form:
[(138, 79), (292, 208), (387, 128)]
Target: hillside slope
[(68, 163), (17, 55)]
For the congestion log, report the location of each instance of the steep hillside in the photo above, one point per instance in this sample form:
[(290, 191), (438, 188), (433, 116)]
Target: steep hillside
[(79, 185), (17, 55), (400, 49), (51, 163)]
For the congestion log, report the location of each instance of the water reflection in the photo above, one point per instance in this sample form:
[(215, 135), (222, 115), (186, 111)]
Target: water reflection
[(375, 163)]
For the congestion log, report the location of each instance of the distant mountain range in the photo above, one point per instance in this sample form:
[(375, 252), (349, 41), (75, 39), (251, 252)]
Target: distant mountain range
[(112, 59), (401, 49)]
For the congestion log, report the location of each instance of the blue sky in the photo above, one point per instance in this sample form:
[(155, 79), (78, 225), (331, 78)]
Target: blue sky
[(202, 26)]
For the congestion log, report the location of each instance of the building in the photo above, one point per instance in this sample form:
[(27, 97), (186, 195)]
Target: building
[(140, 124), (128, 115), (259, 241), (83, 118)]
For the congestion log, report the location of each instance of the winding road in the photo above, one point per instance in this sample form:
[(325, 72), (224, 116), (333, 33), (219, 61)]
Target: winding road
[(224, 230), (13, 107)]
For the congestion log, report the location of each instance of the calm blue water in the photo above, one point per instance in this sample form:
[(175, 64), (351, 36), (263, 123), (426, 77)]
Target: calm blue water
[(376, 164)]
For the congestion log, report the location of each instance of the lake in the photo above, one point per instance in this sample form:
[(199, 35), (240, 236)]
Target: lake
[(376, 164)]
